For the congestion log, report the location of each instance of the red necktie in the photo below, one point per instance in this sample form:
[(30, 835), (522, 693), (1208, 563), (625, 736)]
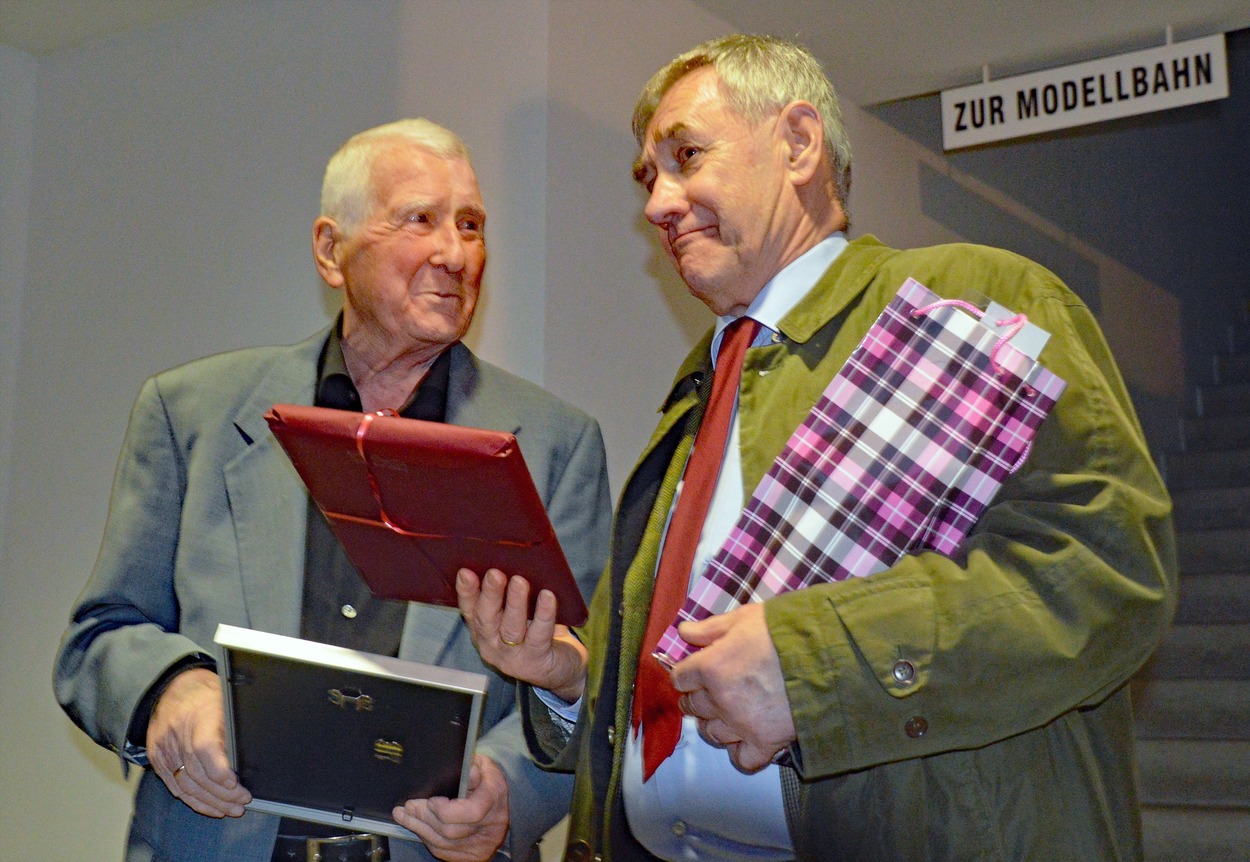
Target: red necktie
[(655, 699)]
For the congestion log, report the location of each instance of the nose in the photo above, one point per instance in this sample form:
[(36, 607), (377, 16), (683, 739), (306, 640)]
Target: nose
[(448, 248), (666, 202)]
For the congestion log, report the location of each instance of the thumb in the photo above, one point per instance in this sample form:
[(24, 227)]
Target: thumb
[(700, 633), (475, 773)]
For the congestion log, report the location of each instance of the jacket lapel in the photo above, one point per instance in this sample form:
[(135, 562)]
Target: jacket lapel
[(268, 501)]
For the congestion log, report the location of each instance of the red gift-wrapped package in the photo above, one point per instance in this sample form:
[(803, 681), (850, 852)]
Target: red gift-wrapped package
[(413, 502)]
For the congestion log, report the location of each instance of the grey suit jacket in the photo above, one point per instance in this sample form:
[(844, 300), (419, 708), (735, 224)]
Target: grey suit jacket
[(207, 525)]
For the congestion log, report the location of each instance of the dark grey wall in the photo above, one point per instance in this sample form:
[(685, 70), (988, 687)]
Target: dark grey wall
[(1164, 194)]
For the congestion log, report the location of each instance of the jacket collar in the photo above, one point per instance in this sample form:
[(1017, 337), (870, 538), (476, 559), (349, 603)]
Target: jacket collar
[(466, 404), (843, 282), (845, 279)]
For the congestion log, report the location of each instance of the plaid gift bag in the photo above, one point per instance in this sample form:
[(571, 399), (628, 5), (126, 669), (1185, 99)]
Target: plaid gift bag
[(902, 453)]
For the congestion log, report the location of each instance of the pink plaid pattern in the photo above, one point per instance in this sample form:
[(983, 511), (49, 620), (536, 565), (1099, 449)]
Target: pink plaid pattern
[(903, 452)]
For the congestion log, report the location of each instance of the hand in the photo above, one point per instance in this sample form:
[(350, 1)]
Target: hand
[(539, 652), (462, 830), (735, 688), (186, 744)]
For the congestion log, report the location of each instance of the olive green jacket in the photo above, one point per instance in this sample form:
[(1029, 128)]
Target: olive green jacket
[(1013, 738)]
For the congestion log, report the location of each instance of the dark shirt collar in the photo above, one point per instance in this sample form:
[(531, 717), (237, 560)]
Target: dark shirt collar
[(335, 388)]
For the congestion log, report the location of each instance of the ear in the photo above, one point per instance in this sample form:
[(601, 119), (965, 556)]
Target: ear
[(803, 135), (325, 239)]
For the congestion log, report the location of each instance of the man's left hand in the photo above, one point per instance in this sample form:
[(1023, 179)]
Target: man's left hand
[(734, 686), (462, 830)]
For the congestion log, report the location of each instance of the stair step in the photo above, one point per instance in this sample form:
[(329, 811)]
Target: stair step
[(1238, 340), (1211, 651), (1191, 708), (1212, 507), (1224, 549), (1196, 835), (1218, 598), (1192, 700), (1194, 773), (1228, 399), (1232, 368), (1216, 432), (1208, 468)]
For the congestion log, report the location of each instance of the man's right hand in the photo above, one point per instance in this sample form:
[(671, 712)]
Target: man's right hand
[(538, 651), (186, 745)]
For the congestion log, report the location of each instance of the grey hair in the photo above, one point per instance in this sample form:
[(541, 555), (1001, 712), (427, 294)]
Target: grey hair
[(760, 76), (347, 192)]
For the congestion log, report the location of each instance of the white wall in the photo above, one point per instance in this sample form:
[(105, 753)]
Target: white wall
[(25, 719), (175, 178), (18, 72), (172, 175), (618, 319)]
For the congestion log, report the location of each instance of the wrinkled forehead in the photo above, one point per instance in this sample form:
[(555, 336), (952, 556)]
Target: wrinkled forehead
[(697, 100), (412, 167)]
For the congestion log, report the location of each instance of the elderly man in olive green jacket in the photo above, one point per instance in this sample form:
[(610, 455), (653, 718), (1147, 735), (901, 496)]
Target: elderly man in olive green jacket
[(963, 707)]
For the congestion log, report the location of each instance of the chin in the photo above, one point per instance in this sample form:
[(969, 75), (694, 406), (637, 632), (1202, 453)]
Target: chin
[(708, 294)]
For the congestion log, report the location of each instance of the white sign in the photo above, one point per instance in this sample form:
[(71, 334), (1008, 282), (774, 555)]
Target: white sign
[(1183, 73)]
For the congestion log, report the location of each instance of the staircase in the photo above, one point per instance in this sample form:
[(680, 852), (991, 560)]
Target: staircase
[(1192, 701)]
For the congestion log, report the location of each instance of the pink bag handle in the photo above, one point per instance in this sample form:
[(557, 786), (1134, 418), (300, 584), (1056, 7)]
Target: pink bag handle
[(1014, 324)]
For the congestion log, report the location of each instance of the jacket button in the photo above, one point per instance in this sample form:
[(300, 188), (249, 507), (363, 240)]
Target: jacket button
[(916, 727), (611, 734), (579, 851), (904, 672)]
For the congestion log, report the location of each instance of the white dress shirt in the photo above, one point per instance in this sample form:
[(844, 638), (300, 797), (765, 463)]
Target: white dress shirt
[(697, 805)]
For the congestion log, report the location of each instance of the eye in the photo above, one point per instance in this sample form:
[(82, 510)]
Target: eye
[(418, 217), (685, 153), (471, 225)]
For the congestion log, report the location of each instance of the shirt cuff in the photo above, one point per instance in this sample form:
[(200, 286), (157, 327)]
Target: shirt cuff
[(138, 754), (563, 714)]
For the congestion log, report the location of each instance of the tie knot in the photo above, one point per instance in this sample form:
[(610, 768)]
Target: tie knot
[(736, 338)]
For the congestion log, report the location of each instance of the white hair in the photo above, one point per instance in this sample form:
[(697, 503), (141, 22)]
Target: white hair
[(347, 190)]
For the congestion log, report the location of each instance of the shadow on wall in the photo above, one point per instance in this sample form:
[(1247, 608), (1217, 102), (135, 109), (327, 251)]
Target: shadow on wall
[(1143, 322), (1147, 346), (1142, 216)]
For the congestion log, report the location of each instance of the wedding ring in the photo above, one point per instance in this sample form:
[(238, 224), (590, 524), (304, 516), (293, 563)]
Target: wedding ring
[(507, 642), (179, 769)]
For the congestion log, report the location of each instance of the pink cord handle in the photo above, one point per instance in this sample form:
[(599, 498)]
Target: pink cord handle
[(1014, 323)]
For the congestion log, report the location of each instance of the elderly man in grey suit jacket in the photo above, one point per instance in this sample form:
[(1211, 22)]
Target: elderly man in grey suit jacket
[(209, 524)]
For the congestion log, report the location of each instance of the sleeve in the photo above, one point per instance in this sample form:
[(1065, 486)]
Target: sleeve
[(554, 741), (122, 636), (580, 509), (1060, 593)]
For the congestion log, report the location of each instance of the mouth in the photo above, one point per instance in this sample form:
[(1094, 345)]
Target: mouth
[(438, 289), (677, 239), (438, 302)]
